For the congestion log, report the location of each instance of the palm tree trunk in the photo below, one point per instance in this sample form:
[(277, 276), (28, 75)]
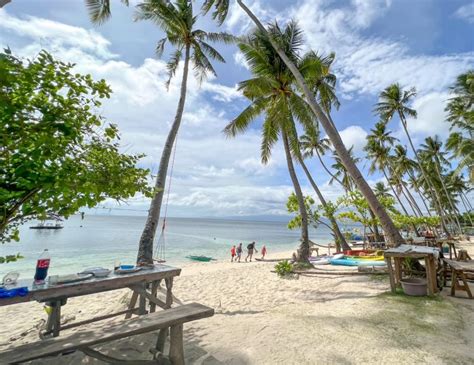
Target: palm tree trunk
[(434, 194), (391, 231), (394, 192), (410, 203), (423, 199), (145, 249), (327, 170), (448, 196), (303, 251), (410, 196), (340, 239)]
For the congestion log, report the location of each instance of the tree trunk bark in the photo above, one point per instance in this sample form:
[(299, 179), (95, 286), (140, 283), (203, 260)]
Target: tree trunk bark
[(391, 231), (451, 203), (340, 239), (303, 251), (145, 249), (327, 170), (434, 194)]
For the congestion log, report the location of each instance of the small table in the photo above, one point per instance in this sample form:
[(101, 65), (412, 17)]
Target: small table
[(458, 269), (419, 252), (144, 284)]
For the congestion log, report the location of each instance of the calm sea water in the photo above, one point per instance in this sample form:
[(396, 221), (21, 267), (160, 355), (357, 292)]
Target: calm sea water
[(100, 240)]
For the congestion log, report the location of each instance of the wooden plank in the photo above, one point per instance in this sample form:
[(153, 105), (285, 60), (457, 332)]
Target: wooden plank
[(176, 345), (96, 319), (398, 270), (101, 334), (92, 286), (153, 299)]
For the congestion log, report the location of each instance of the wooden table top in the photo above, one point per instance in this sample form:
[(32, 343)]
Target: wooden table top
[(45, 292), (460, 265)]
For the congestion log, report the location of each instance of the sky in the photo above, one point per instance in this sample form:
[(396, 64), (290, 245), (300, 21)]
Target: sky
[(418, 43)]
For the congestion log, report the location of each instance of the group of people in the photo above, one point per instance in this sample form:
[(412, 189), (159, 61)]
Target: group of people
[(236, 252)]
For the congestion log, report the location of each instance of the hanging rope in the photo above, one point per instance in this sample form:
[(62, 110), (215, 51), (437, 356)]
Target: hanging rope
[(160, 252)]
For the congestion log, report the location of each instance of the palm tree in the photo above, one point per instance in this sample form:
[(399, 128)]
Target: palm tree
[(381, 190), (272, 93), (394, 100), (432, 149), (191, 45), (404, 165), (391, 231)]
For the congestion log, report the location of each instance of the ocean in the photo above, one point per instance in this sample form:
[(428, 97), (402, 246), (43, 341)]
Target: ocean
[(100, 240)]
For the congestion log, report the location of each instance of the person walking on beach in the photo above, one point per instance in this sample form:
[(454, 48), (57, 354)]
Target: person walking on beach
[(250, 250), (239, 252), (232, 253), (263, 251)]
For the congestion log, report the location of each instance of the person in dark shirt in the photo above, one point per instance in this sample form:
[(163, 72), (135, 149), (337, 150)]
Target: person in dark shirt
[(238, 252), (250, 250)]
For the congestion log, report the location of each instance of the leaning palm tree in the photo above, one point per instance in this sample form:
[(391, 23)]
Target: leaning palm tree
[(271, 93), (394, 100), (191, 46), (391, 231), (432, 149), (404, 165)]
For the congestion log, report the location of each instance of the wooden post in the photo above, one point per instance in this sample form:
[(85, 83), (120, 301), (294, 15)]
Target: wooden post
[(398, 270), (454, 279), (154, 290), (56, 318), (169, 293), (176, 345), (160, 342), (142, 302), (131, 305), (388, 260)]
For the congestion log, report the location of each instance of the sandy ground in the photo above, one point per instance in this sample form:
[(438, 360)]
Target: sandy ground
[(262, 319)]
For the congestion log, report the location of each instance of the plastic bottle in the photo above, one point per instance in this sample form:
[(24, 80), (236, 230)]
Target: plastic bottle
[(42, 266)]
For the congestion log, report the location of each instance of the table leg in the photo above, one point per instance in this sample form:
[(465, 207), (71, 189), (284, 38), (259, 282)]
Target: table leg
[(154, 290), (398, 270), (454, 279), (131, 305), (53, 325), (142, 302), (169, 293), (465, 284), (388, 260)]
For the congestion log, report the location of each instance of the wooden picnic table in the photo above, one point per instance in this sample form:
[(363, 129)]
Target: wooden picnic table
[(144, 284), (398, 254)]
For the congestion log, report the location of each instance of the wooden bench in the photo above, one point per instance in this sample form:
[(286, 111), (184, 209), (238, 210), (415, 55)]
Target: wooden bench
[(458, 275), (172, 319)]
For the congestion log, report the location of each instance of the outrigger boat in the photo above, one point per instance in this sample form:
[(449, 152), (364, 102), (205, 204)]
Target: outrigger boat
[(48, 225), (200, 258)]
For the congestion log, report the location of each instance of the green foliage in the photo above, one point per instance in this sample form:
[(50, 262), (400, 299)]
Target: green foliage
[(359, 208), (56, 154), (403, 221), (10, 258), (284, 268)]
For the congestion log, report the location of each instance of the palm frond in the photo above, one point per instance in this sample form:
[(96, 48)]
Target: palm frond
[(173, 64), (243, 120)]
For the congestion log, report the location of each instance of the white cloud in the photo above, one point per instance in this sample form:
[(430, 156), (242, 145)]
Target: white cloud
[(366, 65), (431, 117), (466, 12), (55, 34), (354, 136)]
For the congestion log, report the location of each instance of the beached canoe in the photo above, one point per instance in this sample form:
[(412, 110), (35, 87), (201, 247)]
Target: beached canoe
[(200, 258), (373, 258), (356, 262)]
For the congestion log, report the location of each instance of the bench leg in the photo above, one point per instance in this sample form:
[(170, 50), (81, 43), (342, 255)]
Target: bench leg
[(131, 305), (169, 292), (454, 279), (465, 285), (160, 342), (176, 345)]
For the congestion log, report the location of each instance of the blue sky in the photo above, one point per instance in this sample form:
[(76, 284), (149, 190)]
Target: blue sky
[(418, 43)]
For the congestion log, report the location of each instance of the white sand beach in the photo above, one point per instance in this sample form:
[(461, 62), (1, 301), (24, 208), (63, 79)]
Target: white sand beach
[(262, 319)]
